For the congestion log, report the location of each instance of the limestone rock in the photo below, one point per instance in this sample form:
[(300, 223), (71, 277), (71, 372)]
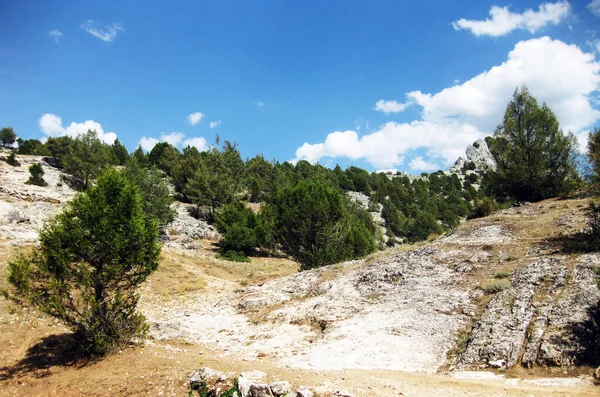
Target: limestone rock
[(280, 388)]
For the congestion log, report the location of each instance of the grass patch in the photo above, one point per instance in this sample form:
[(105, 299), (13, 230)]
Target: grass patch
[(502, 274), (494, 286)]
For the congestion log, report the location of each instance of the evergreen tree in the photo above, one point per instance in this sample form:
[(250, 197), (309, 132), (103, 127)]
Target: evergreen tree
[(535, 160), (85, 159), (313, 224), (37, 175), (119, 152), (91, 258), (7, 137), (32, 147)]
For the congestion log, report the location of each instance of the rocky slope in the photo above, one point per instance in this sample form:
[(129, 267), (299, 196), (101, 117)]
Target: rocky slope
[(497, 292), (429, 308)]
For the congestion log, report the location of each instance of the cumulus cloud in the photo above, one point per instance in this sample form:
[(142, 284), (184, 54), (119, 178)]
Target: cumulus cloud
[(503, 21), (148, 143), (594, 7), (259, 104), (55, 34), (562, 75), (177, 139), (51, 125), (214, 124), (418, 164), (174, 138), (388, 107), (199, 143), (105, 33), (195, 118)]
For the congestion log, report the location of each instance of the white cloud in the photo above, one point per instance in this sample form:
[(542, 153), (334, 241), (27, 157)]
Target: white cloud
[(148, 143), (214, 124), (199, 143), (174, 138), (259, 104), (51, 125), (105, 33), (55, 34), (562, 75), (503, 21), (594, 7), (195, 118), (388, 107), (177, 139), (418, 164)]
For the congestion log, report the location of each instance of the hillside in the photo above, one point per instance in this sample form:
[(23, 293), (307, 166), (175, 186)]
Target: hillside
[(499, 294)]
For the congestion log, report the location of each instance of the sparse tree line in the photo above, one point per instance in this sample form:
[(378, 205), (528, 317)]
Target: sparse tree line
[(104, 244)]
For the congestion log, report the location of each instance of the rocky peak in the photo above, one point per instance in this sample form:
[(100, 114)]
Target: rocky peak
[(479, 158)]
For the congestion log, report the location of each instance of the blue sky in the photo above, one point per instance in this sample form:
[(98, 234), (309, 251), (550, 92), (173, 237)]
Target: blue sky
[(377, 84)]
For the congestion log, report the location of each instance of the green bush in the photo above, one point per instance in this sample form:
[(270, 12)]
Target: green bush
[(238, 226), (91, 258), (484, 207), (315, 224), (12, 159), (234, 256), (37, 175)]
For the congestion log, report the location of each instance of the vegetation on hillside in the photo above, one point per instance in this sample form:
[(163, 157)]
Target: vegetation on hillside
[(91, 258)]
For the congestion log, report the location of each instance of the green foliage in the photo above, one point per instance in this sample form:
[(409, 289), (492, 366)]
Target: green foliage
[(7, 137), (484, 207), (593, 154), (535, 160), (156, 198), (59, 147), (164, 156), (315, 225), (37, 175), (12, 159), (86, 158), (140, 157), (32, 147), (217, 179), (119, 152), (233, 256), (238, 227), (91, 258)]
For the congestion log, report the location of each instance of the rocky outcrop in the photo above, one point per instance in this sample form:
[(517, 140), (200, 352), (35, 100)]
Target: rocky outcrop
[(210, 382), (539, 320), (479, 158)]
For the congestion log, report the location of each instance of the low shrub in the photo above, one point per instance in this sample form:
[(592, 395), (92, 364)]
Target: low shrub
[(12, 159), (233, 256), (37, 175), (501, 275), (494, 286)]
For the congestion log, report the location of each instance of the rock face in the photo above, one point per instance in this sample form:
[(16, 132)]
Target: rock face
[(23, 207), (479, 154)]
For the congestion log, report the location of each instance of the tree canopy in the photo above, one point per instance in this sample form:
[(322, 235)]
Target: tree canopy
[(7, 137), (535, 160)]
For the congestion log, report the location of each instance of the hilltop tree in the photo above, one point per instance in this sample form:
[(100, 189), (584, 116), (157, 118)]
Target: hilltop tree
[(593, 154), (7, 137), (91, 258), (534, 158), (85, 159)]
